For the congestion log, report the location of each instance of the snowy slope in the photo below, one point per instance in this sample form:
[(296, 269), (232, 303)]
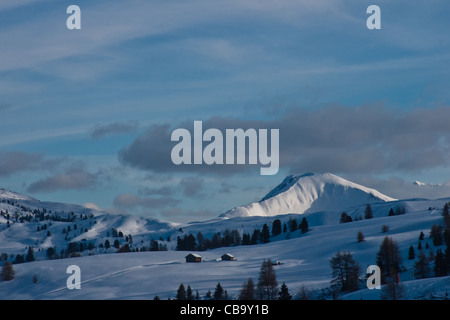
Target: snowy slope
[(310, 193), (304, 262)]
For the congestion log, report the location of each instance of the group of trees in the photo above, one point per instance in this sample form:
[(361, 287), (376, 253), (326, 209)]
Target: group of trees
[(346, 271), (233, 238), (368, 214), (434, 264), (265, 289)]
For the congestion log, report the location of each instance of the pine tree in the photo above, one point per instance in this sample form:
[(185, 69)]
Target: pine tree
[(411, 253), (345, 218), (304, 227), (189, 295), (440, 268), (389, 260), (265, 234), (248, 290), (391, 213), (436, 233), (284, 293), (446, 215), (181, 293), (421, 236), (218, 292), (422, 266), (360, 236), (267, 287), (276, 227), (8, 272), (30, 254), (368, 214)]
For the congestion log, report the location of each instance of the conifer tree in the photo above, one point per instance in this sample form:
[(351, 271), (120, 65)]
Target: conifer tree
[(189, 295), (30, 254), (389, 260), (411, 253), (284, 293), (218, 292), (8, 272), (248, 290), (368, 214), (304, 227), (181, 293), (422, 266), (360, 236), (265, 234), (267, 287), (276, 227)]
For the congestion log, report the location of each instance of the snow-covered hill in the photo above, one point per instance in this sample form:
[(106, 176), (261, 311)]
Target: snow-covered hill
[(310, 193), (26, 222)]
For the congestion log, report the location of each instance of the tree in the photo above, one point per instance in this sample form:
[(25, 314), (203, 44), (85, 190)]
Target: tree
[(218, 292), (391, 213), (8, 272), (276, 227), (267, 287), (345, 272), (422, 266), (284, 293), (304, 227), (189, 295), (421, 236), (181, 293), (360, 236), (446, 215), (411, 253), (384, 228), (107, 244), (440, 267), (30, 254), (265, 234), (436, 234), (293, 226), (345, 218), (389, 260), (368, 214), (248, 290), (116, 244)]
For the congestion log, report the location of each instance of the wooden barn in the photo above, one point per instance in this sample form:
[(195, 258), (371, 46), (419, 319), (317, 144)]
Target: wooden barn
[(227, 257), (193, 257)]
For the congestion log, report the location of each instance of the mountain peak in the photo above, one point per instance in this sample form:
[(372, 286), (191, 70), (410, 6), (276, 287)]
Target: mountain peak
[(311, 193)]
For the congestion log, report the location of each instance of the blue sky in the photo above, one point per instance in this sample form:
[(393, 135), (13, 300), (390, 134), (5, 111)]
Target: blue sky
[(369, 105)]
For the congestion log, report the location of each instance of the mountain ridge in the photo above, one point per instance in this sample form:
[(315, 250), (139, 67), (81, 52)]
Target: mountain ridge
[(307, 193)]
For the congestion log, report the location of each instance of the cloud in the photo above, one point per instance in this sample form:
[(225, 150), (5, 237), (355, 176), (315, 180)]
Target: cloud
[(400, 188), (191, 186), (13, 162), (131, 201), (72, 179), (365, 139), (162, 191), (114, 128)]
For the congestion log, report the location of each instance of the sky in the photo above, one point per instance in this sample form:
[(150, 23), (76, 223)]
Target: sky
[(86, 115)]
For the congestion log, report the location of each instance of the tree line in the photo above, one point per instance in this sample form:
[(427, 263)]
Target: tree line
[(233, 237)]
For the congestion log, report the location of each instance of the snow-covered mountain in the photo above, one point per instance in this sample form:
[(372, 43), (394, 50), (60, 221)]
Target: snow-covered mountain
[(310, 193), (304, 257)]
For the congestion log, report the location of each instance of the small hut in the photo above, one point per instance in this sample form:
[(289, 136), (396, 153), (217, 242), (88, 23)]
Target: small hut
[(227, 257), (193, 257)]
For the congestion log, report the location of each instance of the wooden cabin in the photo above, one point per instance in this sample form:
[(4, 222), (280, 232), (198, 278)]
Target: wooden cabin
[(193, 257), (227, 257)]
